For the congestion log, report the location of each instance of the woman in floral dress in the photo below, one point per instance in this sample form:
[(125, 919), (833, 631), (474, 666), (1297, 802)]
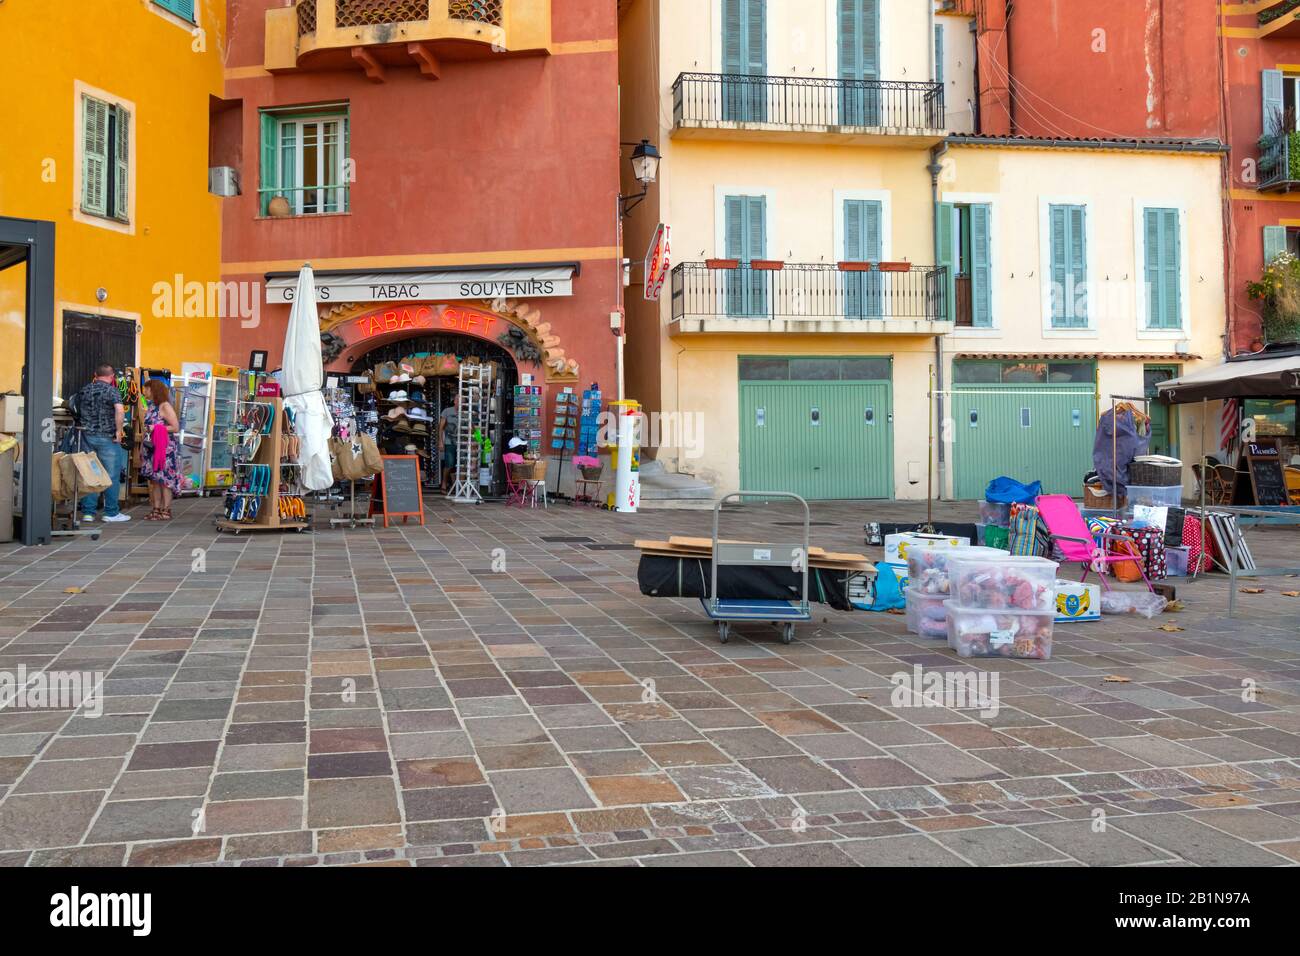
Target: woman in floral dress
[(164, 481)]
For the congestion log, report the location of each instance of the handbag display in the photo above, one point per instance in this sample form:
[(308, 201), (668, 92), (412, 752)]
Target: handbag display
[(372, 461)]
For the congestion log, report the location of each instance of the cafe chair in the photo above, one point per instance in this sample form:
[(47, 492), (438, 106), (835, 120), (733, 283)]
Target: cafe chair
[(1292, 476), (521, 490)]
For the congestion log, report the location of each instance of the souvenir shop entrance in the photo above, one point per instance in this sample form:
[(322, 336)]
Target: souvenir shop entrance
[(414, 381)]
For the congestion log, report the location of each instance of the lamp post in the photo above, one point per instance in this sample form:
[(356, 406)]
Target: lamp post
[(645, 167)]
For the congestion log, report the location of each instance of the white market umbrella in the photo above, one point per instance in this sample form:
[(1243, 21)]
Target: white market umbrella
[(301, 378)]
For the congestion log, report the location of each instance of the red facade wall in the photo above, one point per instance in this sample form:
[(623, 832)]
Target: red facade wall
[(503, 160)]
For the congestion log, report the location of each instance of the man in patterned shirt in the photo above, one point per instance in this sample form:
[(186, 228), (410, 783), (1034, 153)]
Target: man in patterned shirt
[(99, 408)]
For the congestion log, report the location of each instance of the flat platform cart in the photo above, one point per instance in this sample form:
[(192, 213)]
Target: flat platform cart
[(775, 556)]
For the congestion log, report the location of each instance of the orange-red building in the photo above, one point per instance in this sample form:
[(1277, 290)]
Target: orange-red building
[(449, 168), (1156, 68)]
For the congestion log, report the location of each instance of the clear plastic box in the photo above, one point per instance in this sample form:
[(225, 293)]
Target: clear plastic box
[(1169, 497), (978, 632), (927, 570), (995, 513), (926, 614), (1006, 582)]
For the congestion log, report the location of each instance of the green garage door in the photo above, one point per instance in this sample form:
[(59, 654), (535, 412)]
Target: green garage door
[(1032, 421), (818, 427)]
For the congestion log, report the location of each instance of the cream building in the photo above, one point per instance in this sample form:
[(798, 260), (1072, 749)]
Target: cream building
[(835, 248)]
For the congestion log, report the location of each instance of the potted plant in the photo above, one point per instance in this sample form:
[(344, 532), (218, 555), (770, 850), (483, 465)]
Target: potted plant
[(1278, 292)]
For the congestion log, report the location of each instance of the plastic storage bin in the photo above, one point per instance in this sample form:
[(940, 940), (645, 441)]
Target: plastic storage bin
[(1006, 582), (1177, 561), (995, 513), (926, 614), (976, 632), (1170, 496), (927, 570)]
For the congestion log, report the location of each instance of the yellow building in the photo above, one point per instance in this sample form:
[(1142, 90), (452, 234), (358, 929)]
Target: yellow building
[(834, 245), (107, 120)]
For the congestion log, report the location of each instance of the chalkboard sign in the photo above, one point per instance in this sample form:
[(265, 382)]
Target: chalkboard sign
[(1265, 464), (397, 493)]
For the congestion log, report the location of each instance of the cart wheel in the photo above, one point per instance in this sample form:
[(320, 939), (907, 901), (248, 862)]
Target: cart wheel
[(94, 537), (787, 634), (724, 631)]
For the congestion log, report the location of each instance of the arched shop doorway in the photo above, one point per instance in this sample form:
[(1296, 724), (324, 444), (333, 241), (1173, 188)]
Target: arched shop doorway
[(437, 392)]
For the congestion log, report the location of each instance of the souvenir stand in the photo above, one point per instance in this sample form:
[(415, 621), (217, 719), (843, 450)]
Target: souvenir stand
[(267, 494), (338, 398), (473, 399)]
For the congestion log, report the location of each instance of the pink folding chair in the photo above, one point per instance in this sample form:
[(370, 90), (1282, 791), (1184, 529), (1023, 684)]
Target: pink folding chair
[(1070, 533)]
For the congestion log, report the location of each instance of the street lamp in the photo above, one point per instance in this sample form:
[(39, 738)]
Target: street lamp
[(645, 167)]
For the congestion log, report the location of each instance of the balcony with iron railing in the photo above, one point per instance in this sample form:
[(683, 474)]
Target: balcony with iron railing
[(807, 109), (721, 296), (376, 34), (1278, 18), (1278, 167)]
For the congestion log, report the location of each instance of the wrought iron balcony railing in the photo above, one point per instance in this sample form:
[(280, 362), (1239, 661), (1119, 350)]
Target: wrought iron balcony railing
[(1273, 171), (809, 291), (805, 101), (365, 13)]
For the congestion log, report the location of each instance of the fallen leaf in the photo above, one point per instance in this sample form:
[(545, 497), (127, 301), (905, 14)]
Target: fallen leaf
[(72, 590), (1174, 606), (1116, 679), (1291, 593), (1252, 590), (1170, 627), (895, 610)]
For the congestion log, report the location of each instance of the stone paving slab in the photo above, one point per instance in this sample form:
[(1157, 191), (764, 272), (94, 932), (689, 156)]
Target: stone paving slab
[(397, 697)]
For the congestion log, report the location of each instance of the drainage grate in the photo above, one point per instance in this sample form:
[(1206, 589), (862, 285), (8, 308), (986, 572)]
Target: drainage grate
[(569, 540), (612, 547)]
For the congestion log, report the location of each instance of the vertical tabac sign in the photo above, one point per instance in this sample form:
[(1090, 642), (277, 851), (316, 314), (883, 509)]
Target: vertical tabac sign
[(658, 260)]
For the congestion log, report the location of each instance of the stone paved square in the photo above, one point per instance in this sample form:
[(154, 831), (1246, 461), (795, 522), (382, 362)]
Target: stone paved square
[(314, 698)]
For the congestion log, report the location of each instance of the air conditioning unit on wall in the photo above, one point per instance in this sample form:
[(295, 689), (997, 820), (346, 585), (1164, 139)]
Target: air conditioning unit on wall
[(223, 181)]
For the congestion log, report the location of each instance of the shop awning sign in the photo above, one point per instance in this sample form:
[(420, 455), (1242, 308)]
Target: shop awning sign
[(526, 283), (658, 260)]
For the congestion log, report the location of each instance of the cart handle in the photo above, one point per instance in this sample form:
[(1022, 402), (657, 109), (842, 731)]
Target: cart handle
[(807, 525)]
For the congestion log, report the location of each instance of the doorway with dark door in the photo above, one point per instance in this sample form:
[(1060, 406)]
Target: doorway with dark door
[(92, 340), (1164, 417)]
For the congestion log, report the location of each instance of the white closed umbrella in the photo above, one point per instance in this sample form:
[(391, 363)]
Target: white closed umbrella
[(301, 378)]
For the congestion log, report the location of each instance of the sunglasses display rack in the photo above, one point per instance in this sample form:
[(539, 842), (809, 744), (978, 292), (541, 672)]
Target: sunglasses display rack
[(267, 494)]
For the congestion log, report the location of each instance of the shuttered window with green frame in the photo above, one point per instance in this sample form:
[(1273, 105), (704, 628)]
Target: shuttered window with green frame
[(981, 265), (1067, 236), (746, 240), (105, 158), (305, 160), (859, 62), (1163, 268), (863, 242), (744, 54), (182, 8)]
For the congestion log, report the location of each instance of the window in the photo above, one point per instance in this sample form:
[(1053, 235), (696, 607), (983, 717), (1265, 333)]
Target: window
[(859, 56), (1273, 417), (938, 52), (863, 242), (1162, 256), (1067, 261), (966, 251), (105, 158), (1280, 239), (182, 8), (746, 240), (756, 369), (304, 160), (1022, 372), (744, 54)]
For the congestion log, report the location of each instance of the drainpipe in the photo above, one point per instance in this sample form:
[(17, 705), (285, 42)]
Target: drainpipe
[(934, 169)]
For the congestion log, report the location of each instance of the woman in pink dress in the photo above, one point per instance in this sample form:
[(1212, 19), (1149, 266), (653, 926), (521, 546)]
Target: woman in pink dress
[(160, 451)]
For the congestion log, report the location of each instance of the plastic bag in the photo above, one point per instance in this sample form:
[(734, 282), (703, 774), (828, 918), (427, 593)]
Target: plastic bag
[(1145, 603), (1009, 491), (889, 596)]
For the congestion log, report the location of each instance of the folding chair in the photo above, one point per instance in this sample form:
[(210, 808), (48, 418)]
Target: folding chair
[(1070, 533)]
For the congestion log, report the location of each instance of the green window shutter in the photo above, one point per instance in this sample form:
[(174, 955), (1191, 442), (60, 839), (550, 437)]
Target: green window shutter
[(981, 277), (869, 17), (182, 8), (946, 254), (1077, 265), (122, 164), (938, 52), (1068, 259), (1270, 83), (756, 37), (859, 41), (863, 221), (270, 159), (735, 227), (1163, 268), (853, 231), (848, 40), (756, 228), (1274, 243), (733, 38), (94, 156), (347, 156)]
